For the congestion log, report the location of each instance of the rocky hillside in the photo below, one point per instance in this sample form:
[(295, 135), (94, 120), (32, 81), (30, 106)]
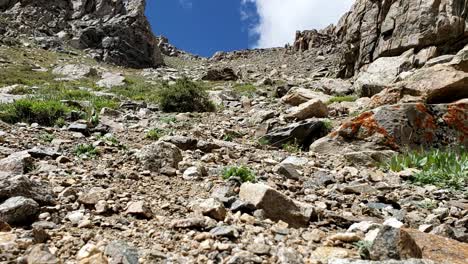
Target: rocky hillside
[(112, 31), (255, 156)]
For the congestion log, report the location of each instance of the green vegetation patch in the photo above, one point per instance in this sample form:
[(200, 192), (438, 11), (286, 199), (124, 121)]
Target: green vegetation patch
[(242, 172), (339, 99), (43, 112), (248, 90), (185, 96), (86, 149), (443, 168), (155, 134)]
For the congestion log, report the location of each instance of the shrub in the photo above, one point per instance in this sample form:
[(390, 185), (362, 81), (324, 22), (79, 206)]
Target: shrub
[(339, 99), (43, 112), (86, 149), (185, 96), (443, 168), (244, 173)]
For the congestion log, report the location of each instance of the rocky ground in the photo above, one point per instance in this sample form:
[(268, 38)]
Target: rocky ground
[(133, 198), (292, 165)]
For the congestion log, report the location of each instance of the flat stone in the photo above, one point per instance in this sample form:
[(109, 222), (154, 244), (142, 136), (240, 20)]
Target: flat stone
[(139, 209)]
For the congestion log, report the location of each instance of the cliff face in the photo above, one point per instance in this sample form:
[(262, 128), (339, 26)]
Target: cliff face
[(114, 31), (382, 28)]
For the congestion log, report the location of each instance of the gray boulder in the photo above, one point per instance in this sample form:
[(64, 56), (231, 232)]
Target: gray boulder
[(18, 210), (16, 163), (302, 133), (160, 155), (20, 185)]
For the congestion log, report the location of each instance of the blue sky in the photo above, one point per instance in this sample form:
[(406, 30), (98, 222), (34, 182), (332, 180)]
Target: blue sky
[(205, 26)]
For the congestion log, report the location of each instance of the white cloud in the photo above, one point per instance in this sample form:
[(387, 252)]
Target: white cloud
[(278, 20), (187, 4)]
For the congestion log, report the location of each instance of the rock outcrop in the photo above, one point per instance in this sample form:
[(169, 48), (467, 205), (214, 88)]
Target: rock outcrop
[(383, 28), (374, 29), (112, 31), (400, 126)]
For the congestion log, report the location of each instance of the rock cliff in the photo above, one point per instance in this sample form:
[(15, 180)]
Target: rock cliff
[(114, 31), (383, 28)]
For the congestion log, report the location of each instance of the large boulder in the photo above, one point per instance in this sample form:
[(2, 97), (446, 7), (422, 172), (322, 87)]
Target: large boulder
[(298, 95), (114, 31), (434, 85), (16, 163), (394, 243), (18, 210), (276, 205), (309, 109), (381, 73), (160, 156), (301, 133), (20, 185), (334, 86), (374, 29), (224, 74), (412, 125)]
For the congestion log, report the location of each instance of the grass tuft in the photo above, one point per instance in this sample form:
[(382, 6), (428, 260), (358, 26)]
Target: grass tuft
[(244, 173), (339, 99), (248, 90), (154, 134), (86, 149), (443, 168), (43, 112)]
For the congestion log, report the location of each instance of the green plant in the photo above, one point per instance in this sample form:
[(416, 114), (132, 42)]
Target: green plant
[(339, 99), (60, 122), (47, 137), (244, 173), (231, 135), (292, 147), (43, 112), (86, 149), (443, 168), (168, 119), (94, 119), (154, 134), (364, 248), (263, 141), (109, 139), (428, 204), (185, 96), (328, 124)]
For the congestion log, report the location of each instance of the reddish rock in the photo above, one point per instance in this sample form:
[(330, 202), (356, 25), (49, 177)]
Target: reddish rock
[(404, 125)]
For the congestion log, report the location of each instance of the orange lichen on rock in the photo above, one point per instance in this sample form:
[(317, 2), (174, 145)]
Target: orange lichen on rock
[(364, 126), (457, 117), (427, 122)]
